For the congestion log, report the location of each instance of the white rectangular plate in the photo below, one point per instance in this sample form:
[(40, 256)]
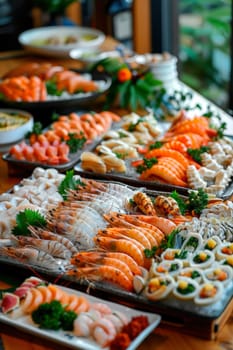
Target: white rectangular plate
[(65, 338)]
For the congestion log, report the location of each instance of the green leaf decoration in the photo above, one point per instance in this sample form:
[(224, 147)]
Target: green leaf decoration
[(75, 142), (123, 92), (26, 218), (132, 97), (69, 183)]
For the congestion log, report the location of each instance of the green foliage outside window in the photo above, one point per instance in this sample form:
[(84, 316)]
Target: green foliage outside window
[(205, 34)]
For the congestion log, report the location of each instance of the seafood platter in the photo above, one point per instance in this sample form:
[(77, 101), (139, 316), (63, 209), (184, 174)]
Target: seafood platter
[(89, 323), (39, 87), (154, 251), (61, 143), (185, 154)]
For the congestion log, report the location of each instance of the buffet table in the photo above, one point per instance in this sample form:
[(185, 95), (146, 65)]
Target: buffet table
[(165, 336)]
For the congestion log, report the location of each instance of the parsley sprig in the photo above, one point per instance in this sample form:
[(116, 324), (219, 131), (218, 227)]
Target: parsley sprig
[(147, 164), (75, 141), (196, 202), (26, 218), (69, 182), (195, 153)]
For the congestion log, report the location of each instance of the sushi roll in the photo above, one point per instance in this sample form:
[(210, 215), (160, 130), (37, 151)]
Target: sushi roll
[(224, 250), (192, 243), (159, 287), (185, 288), (202, 259), (176, 254), (212, 243), (228, 261), (221, 273), (192, 272), (167, 267), (209, 293)]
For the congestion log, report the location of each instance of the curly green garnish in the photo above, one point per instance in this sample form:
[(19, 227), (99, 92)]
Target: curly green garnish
[(69, 183), (27, 218)]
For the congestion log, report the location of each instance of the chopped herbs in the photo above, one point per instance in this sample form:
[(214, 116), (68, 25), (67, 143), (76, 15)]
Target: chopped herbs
[(182, 255), (195, 274), (173, 267), (189, 289), (26, 218)]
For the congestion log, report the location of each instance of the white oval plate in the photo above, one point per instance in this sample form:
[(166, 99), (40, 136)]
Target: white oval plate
[(35, 40)]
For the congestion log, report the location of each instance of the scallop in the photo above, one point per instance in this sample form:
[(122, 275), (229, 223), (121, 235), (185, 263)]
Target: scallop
[(185, 288)]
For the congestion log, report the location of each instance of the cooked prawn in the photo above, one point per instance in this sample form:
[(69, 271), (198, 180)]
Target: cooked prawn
[(121, 245), (102, 273)]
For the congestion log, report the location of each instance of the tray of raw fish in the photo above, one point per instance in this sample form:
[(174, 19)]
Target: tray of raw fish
[(187, 153), (60, 145), (152, 250), (41, 86), (73, 319)]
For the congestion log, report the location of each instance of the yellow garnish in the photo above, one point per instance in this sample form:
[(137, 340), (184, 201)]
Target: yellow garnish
[(183, 284), (211, 243), (202, 256)]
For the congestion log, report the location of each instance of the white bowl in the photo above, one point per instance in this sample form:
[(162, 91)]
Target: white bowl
[(36, 40), (14, 134)]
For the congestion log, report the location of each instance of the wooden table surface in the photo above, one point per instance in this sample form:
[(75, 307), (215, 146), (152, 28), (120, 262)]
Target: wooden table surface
[(162, 338)]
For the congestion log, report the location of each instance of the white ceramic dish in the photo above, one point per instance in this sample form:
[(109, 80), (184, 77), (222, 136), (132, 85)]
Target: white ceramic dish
[(66, 339), (15, 134), (36, 40), (92, 56)]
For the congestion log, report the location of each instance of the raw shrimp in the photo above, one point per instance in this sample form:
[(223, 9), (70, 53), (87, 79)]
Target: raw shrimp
[(48, 235), (28, 255), (51, 247)]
